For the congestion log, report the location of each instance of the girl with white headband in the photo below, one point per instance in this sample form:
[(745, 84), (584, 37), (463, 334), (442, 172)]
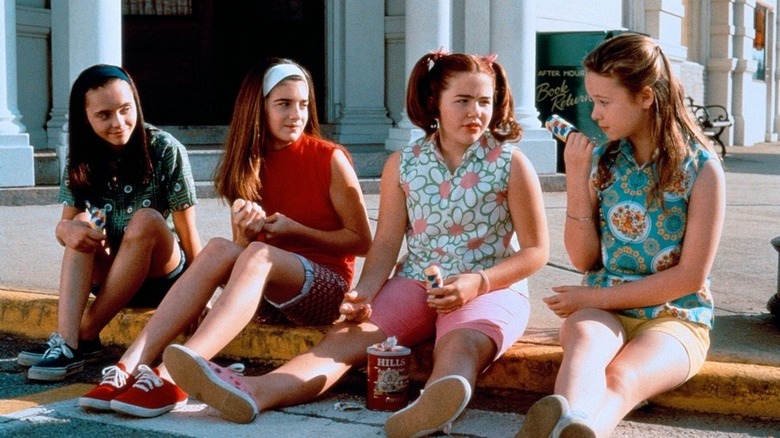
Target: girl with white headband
[(298, 221), (455, 198)]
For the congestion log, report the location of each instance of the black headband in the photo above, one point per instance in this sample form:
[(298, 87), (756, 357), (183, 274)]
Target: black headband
[(97, 76), (101, 71)]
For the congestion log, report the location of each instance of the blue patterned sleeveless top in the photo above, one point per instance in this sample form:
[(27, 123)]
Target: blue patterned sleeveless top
[(637, 240)]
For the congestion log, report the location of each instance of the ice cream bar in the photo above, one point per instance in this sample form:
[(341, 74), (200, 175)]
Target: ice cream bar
[(433, 277), (97, 218), (559, 127)]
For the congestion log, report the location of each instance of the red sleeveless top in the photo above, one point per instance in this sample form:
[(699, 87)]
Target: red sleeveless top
[(296, 183)]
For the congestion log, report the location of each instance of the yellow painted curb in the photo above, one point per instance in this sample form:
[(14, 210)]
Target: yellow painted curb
[(44, 398), (725, 388)]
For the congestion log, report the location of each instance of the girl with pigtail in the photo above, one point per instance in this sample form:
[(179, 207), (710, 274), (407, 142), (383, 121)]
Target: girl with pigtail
[(457, 196)]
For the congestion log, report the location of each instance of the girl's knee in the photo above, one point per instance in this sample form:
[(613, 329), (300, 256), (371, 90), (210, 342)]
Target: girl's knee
[(146, 222), (255, 252), (465, 343), (622, 379), (219, 245)]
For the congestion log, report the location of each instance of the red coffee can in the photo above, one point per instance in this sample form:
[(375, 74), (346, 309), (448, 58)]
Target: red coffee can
[(388, 378)]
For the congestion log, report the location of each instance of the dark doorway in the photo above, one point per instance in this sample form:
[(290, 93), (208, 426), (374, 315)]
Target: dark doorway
[(189, 67)]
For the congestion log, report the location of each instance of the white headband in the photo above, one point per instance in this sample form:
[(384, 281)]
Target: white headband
[(277, 74)]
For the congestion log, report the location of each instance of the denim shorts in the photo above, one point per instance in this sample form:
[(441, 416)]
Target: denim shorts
[(317, 304)]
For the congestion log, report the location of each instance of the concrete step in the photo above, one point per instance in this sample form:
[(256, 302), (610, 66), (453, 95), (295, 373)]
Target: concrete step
[(530, 365), (204, 146)]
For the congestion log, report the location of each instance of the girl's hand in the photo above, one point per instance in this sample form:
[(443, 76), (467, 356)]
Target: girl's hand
[(577, 154), (78, 235), (568, 299), (456, 292), (278, 226), (355, 307), (248, 219)]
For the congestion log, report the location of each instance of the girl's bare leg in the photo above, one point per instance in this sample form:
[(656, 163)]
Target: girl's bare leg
[(650, 364), (463, 353), (310, 374), (148, 250), (75, 281), (184, 302), (257, 266)]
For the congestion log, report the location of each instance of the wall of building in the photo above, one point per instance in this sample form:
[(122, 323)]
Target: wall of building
[(33, 28)]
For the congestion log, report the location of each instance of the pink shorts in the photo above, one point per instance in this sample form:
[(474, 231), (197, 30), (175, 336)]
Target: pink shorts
[(401, 310)]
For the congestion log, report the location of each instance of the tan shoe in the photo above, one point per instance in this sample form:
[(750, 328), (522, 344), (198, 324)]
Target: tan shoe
[(543, 416), (437, 407), (573, 425)]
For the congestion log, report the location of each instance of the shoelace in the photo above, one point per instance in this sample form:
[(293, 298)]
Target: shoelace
[(114, 376), (146, 379), (237, 368), (53, 339), (57, 348)]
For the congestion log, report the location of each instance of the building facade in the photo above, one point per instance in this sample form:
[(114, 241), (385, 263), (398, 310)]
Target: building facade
[(360, 52)]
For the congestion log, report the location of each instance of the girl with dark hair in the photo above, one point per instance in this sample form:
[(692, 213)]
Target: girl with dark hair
[(644, 217), (298, 221), (457, 197), (128, 218)]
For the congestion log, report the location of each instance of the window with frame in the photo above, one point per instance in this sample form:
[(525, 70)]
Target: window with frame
[(157, 7)]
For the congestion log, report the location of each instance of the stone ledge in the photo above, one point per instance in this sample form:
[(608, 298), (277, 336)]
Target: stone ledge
[(529, 366)]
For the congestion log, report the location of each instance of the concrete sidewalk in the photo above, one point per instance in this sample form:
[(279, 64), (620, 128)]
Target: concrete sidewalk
[(741, 376)]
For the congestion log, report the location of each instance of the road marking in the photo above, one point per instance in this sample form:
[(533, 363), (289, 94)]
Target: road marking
[(43, 398)]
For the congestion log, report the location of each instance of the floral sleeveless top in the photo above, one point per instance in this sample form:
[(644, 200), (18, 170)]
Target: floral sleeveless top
[(637, 241), (459, 221)]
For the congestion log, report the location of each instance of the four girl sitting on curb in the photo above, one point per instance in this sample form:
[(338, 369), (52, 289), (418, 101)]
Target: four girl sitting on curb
[(644, 309)]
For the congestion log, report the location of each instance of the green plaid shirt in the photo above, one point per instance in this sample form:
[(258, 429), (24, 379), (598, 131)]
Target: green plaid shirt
[(172, 188)]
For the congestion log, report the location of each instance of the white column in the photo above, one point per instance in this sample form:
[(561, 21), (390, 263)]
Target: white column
[(721, 62), (428, 28), (358, 48), (513, 38), (776, 76), (17, 165), (84, 33)]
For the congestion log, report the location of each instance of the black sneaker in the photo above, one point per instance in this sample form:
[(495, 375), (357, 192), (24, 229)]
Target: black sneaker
[(59, 362), (773, 305), (90, 349)]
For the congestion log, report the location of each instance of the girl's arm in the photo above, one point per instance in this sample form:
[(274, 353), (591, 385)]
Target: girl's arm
[(382, 257), (706, 212), (186, 229), (526, 206), (73, 231), (580, 230), (354, 237)]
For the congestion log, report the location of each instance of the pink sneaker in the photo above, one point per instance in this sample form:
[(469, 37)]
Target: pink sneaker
[(115, 381), (218, 387), (150, 396)]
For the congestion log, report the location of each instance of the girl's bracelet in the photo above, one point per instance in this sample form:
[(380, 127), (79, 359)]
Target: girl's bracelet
[(484, 283), (579, 219)]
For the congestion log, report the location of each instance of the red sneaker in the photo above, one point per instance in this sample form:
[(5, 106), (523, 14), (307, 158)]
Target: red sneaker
[(150, 396), (115, 381)]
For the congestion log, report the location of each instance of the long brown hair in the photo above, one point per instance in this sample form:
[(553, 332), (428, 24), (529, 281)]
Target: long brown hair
[(88, 154), (431, 76), (238, 174), (637, 61)]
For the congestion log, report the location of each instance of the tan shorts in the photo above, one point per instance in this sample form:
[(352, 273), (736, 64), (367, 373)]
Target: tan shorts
[(695, 338)]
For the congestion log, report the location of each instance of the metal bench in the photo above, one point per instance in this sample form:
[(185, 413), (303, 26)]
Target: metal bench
[(713, 120)]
